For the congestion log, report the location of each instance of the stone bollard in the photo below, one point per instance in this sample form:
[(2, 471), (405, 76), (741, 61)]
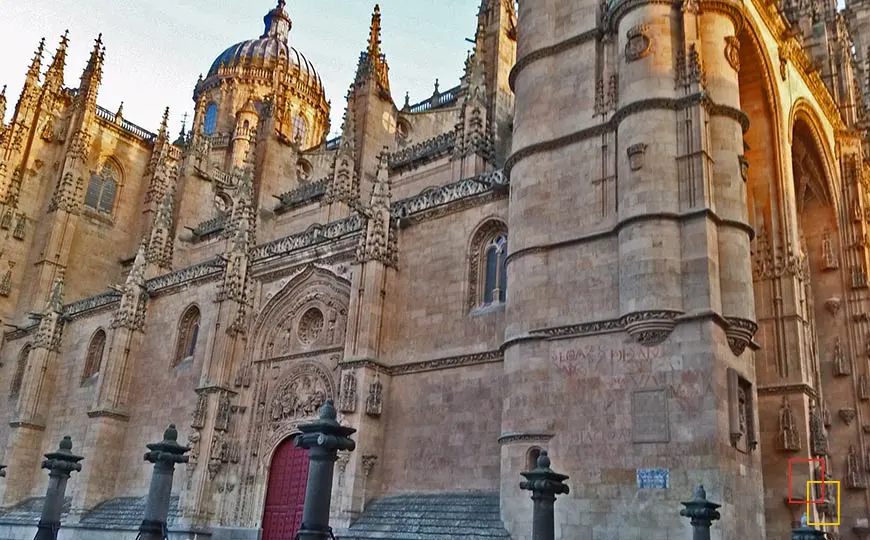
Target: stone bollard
[(702, 514), (323, 438), (545, 484), (805, 532), (59, 464), (164, 455)]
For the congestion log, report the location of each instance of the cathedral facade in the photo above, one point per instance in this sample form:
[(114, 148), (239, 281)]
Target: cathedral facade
[(634, 234)]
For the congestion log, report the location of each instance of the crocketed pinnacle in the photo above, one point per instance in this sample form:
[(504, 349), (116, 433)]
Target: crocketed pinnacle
[(164, 125), (374, 49), (348, 125), (2, 104), (54, 74), (93, 72), (36, 64)]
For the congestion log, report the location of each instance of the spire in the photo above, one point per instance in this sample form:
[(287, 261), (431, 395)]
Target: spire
[(164, 125), (343, 185), (373, 63), (374, 50), (348, 125), (119, 114), (277, 22), (182, 136), (36, 64), (54, 74), (2, 105), (131, 309), (93, 73)]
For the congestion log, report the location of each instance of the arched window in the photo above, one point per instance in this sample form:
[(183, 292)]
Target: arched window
[(300, 128), (487, 272), (18, 376), (210, 123), (188, 331), (102, 189), (532, 458), (94, 358)]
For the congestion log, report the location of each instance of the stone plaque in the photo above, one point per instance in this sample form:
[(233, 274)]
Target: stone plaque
[(649, 416), (653, 478)]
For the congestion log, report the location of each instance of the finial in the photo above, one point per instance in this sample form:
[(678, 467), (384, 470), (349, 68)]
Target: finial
[(171, 434), (164, 123), (120, 112), (374, 50), (407, 101), (437, 92), (700, 493), (66, 443), (183, 123), (327, 411), (3, 91), (543, 460)]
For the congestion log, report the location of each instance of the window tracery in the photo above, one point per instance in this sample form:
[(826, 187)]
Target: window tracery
[(102, 189), (18, 376), (188, 332), (94, 357), (487, 271)]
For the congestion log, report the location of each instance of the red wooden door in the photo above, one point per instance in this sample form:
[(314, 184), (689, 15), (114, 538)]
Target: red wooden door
[(285, 494)]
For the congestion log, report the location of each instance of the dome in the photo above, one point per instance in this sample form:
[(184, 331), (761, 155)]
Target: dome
[(269, 51)]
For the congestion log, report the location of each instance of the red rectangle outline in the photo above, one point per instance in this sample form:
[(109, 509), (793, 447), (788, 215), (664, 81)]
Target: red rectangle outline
[(821, 463)]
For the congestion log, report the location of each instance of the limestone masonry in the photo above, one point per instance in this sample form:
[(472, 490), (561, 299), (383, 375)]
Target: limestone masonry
[(633, 235)]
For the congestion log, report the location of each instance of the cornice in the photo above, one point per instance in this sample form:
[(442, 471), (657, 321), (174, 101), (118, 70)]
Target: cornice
[(435, 364), (552, 50)]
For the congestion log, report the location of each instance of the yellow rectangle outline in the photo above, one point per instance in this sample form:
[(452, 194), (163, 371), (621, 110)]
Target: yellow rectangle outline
[(809, 513)]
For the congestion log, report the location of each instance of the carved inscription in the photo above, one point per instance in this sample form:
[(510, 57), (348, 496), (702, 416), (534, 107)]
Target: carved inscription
[(649, 416)]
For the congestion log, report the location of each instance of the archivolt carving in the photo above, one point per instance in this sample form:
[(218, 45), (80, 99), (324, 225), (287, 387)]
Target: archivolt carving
[(296, 397), (308, 313)]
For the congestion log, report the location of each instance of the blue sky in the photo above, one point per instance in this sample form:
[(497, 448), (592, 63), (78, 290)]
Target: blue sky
[(155, 49)]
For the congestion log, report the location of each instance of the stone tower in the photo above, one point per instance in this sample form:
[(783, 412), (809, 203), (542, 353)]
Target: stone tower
[(628, 213)]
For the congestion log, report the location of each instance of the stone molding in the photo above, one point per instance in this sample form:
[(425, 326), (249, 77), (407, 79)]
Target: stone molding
[(784, 389), (740, 333), (304, 354), (551, 50), (420, 206), (109, 413), (25, 424), (697, 98), (510, 438), (598, 235), (435, 364), (422, 152)]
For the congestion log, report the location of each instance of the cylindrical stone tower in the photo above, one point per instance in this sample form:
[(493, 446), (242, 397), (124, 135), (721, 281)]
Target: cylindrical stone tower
[(630, 306)]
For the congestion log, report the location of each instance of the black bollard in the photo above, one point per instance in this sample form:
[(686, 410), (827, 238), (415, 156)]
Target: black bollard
[(702, 514), (323, 438), (805, 532), (164, 455), (545, 484), (59, 464)]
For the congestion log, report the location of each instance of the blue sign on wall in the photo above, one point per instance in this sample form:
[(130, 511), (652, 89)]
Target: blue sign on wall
[(653, 478)]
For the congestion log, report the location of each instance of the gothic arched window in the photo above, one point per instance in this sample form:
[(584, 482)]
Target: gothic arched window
[(487, 272), (210, 123), (94, 358), (188, 332), (300, 128), (102, 189), (18, 376)]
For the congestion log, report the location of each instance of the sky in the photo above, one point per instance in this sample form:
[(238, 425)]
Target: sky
[(155, 49)]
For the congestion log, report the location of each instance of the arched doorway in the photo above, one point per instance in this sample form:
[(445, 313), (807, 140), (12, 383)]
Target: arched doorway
[(285, 493)]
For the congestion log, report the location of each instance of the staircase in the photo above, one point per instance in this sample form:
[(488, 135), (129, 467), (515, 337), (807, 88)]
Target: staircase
[(436, 516)]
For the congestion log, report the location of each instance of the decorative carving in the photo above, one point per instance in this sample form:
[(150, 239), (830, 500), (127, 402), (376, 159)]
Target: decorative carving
[(848, 415), (732, 52), (20, 226), (818, 433), (300, 395), (375, 399), (842, 366), (833, 305), (6, 280), (863, 387), (739, 334), (650, 328), (310, 326), (423, 152), (199, 412), (217, 454), (854, 474), (222, 419), (368, 464), (347, 396), (829, 256), (193, 457), (788, 438), (635, 156), (638, 43)]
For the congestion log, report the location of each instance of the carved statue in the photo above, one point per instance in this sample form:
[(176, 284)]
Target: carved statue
[(829, 256), (789, 440), (818, 434), (222, 420), (841, 364), (854, 476), (375, 399)]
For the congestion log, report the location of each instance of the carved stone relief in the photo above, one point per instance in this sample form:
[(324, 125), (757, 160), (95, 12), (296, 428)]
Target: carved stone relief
[(818, 433), (635, 156), (347, 398), (375, 399), (841, 363), (638, 43), (732, 52), (788, 438)]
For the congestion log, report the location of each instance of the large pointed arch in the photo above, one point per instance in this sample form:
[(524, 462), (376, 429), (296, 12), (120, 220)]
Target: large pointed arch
[(805, 120), (315, 297)]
